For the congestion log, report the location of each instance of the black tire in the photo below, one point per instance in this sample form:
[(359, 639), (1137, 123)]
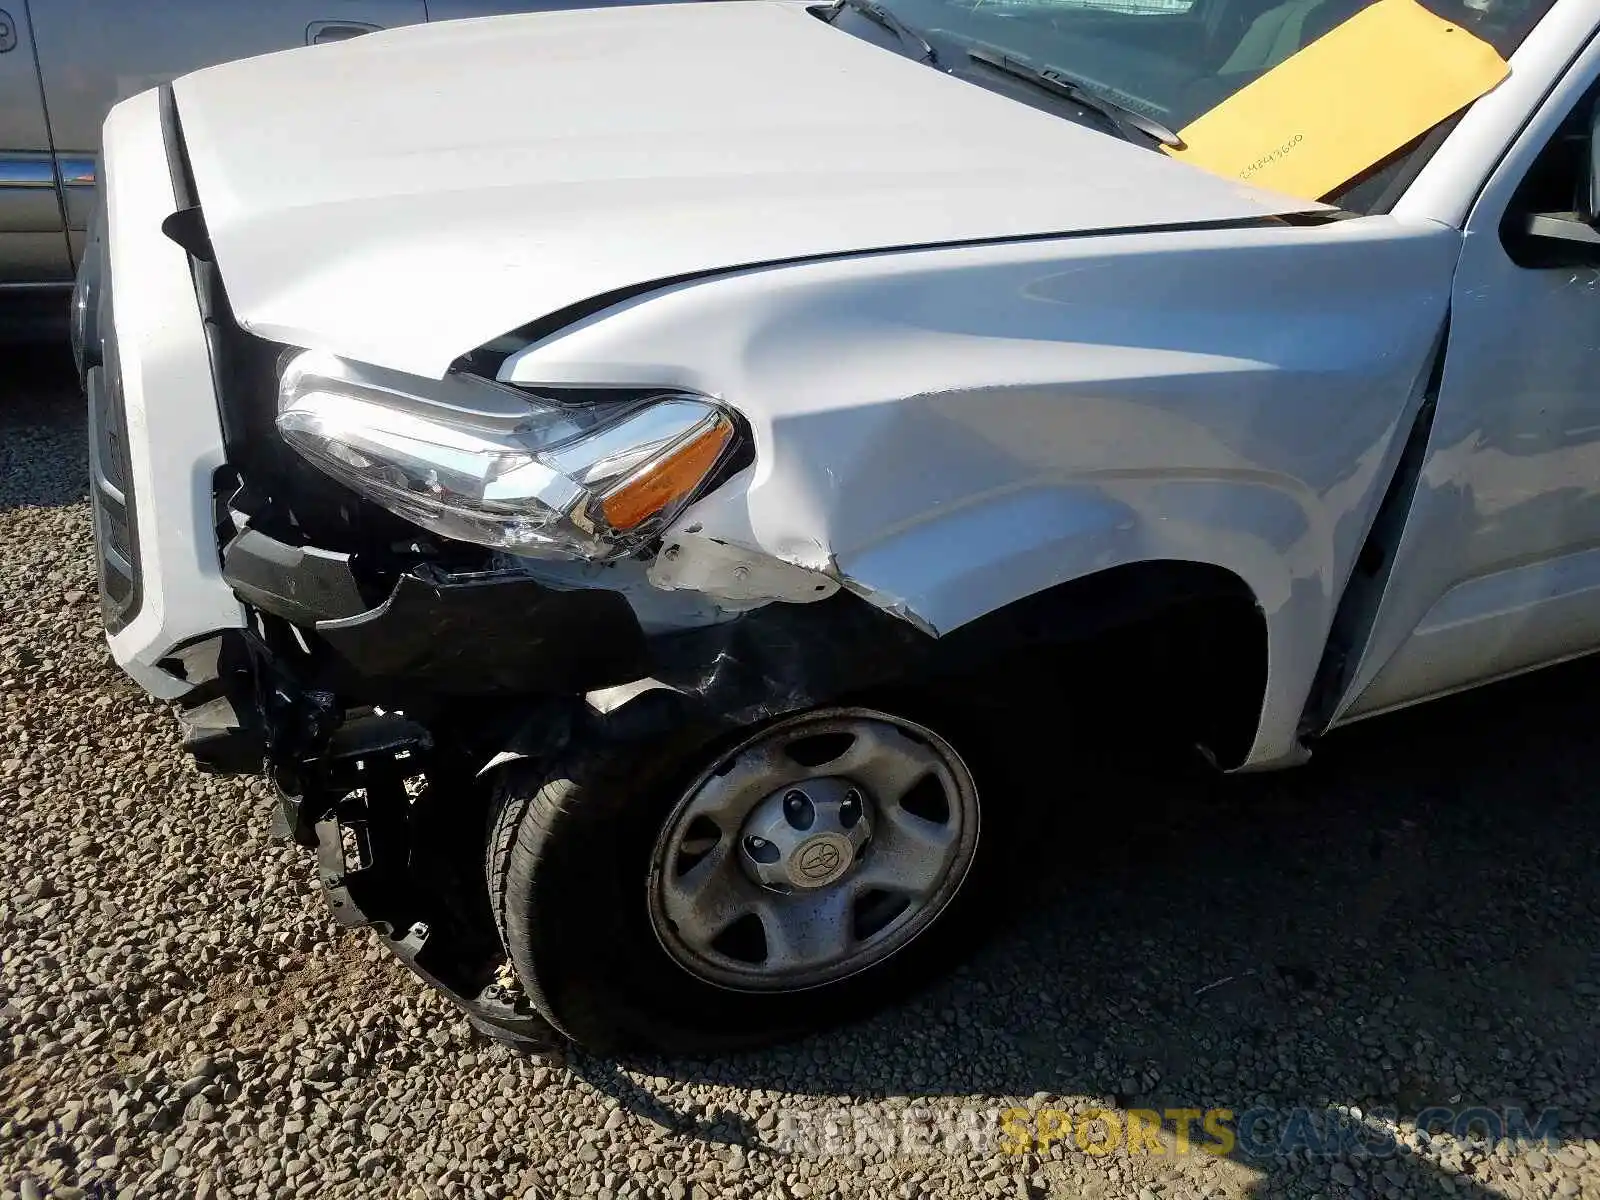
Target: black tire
[(568, 866)]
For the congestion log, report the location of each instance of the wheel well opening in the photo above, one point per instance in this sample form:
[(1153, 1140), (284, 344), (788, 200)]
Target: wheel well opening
[(1164, 651)]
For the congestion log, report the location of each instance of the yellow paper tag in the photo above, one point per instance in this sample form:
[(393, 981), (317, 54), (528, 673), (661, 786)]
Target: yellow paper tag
[(1345, 102)]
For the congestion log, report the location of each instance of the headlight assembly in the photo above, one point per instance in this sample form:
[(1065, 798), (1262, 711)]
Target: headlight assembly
[(481, 462)]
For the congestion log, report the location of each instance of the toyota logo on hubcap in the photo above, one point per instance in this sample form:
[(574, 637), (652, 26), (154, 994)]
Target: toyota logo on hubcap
[(820, 861)]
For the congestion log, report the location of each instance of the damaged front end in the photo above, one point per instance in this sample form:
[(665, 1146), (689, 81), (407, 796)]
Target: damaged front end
[(373, 587), (453, 547), (379, 587), (439, 576), (377, 729)]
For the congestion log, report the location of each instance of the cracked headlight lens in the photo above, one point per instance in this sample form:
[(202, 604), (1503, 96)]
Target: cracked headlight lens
[(480, 462)]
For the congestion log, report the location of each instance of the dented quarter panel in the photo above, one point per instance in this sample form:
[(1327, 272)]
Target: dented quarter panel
[(949, 431)]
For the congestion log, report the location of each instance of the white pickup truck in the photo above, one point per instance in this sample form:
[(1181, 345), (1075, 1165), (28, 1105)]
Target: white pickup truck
[(602, 463)]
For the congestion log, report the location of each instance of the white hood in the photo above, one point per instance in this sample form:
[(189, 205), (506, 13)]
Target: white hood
[(403, 198)]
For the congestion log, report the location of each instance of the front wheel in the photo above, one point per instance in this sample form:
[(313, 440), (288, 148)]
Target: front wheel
[(691, 895)]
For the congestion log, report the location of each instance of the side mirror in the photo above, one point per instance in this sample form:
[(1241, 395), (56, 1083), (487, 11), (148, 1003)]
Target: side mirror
[(1581, 226)]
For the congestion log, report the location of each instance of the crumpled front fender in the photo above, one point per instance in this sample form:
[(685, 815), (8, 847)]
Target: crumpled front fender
[(944, 432)]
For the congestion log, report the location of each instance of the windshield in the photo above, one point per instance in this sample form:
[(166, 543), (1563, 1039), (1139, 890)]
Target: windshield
[(1174, 60)]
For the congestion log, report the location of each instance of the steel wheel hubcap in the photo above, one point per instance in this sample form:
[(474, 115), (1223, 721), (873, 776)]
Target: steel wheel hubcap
[(814, 850)]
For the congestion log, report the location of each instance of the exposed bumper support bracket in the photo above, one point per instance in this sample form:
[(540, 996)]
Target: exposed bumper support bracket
[(386, 885)]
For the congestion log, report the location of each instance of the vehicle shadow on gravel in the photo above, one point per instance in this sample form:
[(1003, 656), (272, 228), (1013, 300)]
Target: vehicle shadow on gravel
[(39, 389), (1408, 922)]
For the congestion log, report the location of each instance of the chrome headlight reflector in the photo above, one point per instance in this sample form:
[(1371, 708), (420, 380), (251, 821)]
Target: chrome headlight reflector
[(481, 462)]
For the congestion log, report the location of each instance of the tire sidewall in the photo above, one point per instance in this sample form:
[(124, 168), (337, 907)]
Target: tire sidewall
[(578, 920)]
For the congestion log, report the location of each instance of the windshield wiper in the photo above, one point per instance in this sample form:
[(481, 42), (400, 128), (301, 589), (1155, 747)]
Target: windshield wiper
[(880, 15), (1084, 95)]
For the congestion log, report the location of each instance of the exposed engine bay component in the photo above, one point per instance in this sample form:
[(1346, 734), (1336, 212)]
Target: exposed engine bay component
[(734, 575)]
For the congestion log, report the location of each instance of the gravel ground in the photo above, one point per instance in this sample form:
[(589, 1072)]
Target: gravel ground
[(1410, 921)]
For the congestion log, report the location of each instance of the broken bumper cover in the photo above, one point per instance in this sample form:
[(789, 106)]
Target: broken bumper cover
[(436, 634), (491, 633), (479, 633)]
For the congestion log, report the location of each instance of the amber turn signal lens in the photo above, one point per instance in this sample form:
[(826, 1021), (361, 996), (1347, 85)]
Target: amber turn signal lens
[(667, 479)]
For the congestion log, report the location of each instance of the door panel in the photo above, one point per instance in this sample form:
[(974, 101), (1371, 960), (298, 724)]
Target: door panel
[(93, 53), (1498, 569), (28, 184), (33, 248)]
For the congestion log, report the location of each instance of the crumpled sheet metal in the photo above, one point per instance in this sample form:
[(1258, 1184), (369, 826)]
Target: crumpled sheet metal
[(785, 657), (946, 431)]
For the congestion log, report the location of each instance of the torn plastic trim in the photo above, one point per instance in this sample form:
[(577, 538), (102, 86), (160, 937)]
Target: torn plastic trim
[(488, 633), (762, 664), (245, 708), (782, 657), (302, 584), (469, 633)]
